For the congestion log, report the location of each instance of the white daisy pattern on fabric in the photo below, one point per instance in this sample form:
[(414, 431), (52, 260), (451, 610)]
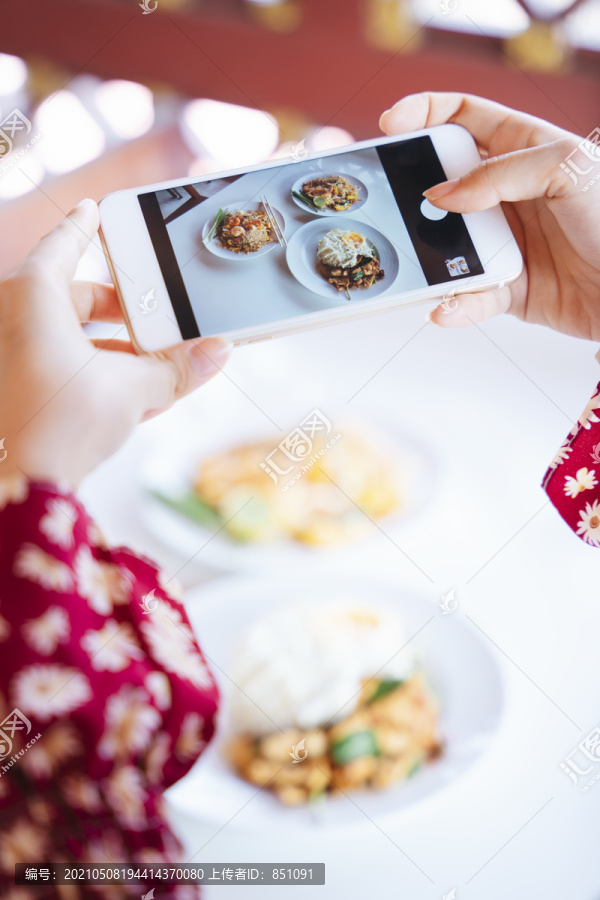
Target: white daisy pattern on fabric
[(112, 647), (190, 741), (562, 455), (41, 812), (61, 743), (81, 792), (159, 688), (588, 526), (48, 690), (157, 756), (13, 490), (35, 564), (149, 855), (126, 795), (584, 480), (130, 722), (105, 848), (170, 585), (45, 633), (105, 713), (101, 583), (171, 643), (58, 523), (588, 416), (16, 842)]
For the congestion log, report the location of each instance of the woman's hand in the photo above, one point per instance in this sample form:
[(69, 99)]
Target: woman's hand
[(66, 402), (555, 222)]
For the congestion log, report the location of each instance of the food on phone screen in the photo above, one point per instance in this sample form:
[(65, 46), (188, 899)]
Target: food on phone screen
[(347, 260), (245, 231), (329, 192), (330, 496), (359, 715)]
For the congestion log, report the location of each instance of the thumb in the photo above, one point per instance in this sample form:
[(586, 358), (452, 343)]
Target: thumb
[(471, 309), (522, 175), (165, 377)]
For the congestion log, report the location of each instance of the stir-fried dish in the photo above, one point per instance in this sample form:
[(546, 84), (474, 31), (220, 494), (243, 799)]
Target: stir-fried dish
[(347, 261), (245, 231), (330, 192)]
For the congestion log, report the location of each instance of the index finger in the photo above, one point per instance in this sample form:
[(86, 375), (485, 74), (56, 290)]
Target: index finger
[(496, 128), (57, 254)]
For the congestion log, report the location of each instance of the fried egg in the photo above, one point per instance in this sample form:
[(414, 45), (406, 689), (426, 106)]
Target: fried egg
[(303, 666), (342, 248)]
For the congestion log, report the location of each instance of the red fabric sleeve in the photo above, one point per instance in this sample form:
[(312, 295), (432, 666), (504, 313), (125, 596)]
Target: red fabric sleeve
[(105, 697), (572, 481)]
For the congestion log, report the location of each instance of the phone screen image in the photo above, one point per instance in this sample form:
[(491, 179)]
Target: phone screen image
[(273, 244)]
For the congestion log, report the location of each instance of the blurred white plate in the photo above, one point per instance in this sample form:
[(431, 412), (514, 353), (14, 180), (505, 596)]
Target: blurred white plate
[(460, 664), (363, 194), (169, 467), (301, 255), (244, 206)]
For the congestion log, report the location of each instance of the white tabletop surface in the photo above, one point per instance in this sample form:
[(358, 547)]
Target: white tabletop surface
[(495, 403)]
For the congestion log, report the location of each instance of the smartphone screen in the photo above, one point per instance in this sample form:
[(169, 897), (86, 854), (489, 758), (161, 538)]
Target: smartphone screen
[(273, 244)]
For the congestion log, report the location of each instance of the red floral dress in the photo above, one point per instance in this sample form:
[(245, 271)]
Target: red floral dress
[(101, 662)]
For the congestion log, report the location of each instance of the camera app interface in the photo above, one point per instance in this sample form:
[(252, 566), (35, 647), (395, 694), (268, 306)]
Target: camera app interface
[(250, 249)]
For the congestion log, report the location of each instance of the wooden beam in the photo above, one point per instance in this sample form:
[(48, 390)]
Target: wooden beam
[(324, 69)]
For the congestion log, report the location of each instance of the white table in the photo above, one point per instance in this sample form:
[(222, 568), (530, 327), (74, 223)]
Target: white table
[(496, 402)]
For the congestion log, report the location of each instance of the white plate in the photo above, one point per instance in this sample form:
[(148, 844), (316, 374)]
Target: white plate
[(460, 664), (363, 194), (301, 255), (169, 466), (233, 206)]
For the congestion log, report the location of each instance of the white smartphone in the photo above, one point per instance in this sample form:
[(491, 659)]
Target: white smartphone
[(276, 248)]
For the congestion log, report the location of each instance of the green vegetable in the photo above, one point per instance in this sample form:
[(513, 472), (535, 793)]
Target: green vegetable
[(357, 275), (384, 688), (309, 201), (216, 225), (353, 746), (348, 292), (191, 506)]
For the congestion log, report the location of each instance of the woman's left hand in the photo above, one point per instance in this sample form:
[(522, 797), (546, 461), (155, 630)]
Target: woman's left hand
[(68, 402)]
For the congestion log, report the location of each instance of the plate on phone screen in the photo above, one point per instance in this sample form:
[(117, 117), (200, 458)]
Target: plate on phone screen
[(307, 206), (463, 669), (215, 246), (302, 260)]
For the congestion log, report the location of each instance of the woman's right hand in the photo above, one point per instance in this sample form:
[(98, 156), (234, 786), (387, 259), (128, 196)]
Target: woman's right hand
[(555, 222)]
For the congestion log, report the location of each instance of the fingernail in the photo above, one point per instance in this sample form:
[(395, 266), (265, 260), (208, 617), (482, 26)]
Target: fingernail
[(440, 190), (208, 355)]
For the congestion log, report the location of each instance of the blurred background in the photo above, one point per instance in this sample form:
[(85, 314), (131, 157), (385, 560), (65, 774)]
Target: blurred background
[(124, 94), (100, 95)]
